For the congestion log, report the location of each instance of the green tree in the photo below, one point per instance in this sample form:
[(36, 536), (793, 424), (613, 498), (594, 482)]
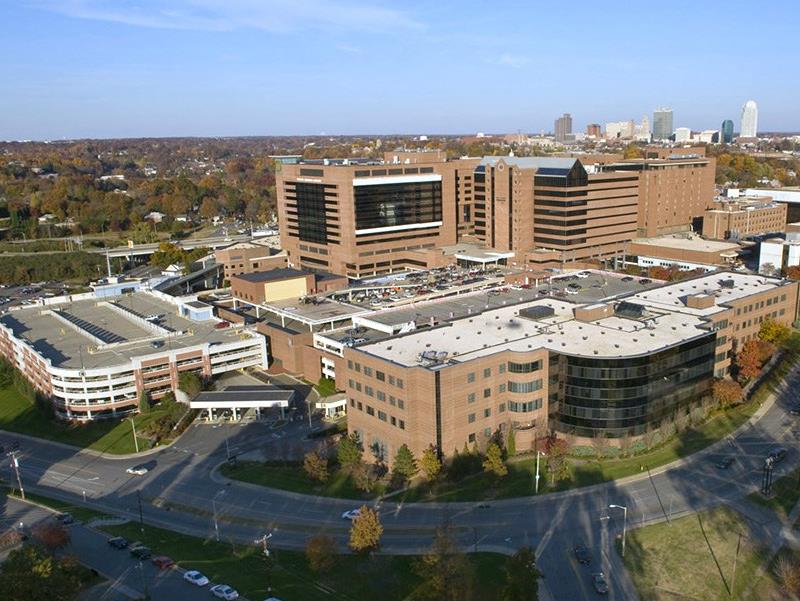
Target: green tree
[(522, 577), (144, 402), (190, 383), (446, 573), (494, 463), (430, 463), (366, 531), (31, 573), (350, 451), (557, 464), (511, 442), (316, 466), (363, 476), (405, 464)]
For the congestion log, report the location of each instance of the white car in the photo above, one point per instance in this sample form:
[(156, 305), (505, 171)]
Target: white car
[(583, 274), (137, 470), (223, 591), (351, 515), (195, 577)]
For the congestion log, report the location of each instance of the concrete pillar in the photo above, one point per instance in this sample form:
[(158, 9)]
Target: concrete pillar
[(235, 414), (283, 412), (210, 414)]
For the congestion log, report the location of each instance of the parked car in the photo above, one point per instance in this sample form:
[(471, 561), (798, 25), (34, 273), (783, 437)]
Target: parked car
[(582, 554), (137, 470), (221, 325), (645, 281), (794, 409), (599, 583), (777, 454), (724, 463), (583, 274), (223, 591), (196, 578), (141, 552), (627, 278), (118, 542), (351, 515), (162, 562)]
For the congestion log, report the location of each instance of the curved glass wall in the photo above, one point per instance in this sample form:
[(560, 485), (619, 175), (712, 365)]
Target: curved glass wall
[(627, 396)]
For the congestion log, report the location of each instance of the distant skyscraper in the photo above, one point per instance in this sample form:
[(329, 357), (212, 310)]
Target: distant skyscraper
[(662, 124), (594, 129), (727, 131), (749, 127), (563, 127)]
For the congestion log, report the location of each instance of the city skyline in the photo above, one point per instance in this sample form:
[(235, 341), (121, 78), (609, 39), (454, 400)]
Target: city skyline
[(92, 68)]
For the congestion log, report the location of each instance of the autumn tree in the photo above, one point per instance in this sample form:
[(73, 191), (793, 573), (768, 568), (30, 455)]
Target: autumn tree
[(726, 392), (349, 451), (51, 535), (321, 552), (522, 577), (787, 572), (31, 573), (493, 463), (557, 463), (316, 466), (793, 272), (405, 464), (430, 463), (773, 332), (366, 531), (445, 571), (363, 476), (748, 360)]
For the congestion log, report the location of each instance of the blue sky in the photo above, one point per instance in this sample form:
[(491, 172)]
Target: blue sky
[(113, 68)]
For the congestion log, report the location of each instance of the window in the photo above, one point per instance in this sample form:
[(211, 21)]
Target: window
[(525, 407), (367, 371), (360, 406), (380, 376), (487, 392), (370, 410), (312, 223), (524, 368), (501, 408), (471, 438), (350, 383), (349, 364), (471, 377), (392, 205), (523, 387), (501, 368), (352, 403), (399, 382), (501, 388), (391, 379), (368, 390), (402, 425), (392, 402), (487, 412), (358, 367), (471, 418), (358, 386), (471, 397), (487, 373), (393, 420), (380, 395), (381, 416), (401, 404)]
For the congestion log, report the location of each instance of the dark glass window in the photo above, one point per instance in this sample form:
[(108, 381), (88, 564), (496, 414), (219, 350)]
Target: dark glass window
[(388, 205), (311, 221)]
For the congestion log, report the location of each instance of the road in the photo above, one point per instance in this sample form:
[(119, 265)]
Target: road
[(178, 494)]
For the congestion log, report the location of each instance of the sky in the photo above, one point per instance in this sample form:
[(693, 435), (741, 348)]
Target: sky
[(137, 68)]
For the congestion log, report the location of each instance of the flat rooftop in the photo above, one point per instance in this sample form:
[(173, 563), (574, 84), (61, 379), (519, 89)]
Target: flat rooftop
[(694, 243), (67, 348), (672, 297), (320, 312), (504, 329)]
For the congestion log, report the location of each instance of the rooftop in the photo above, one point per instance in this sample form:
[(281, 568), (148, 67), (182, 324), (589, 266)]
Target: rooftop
[(684, 243), (122, 331), (272, 275)]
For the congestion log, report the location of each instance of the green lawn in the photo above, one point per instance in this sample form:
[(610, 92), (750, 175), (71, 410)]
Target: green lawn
[(785, 494), (17, 414), (353, 578), (292, 477), (693, 557)]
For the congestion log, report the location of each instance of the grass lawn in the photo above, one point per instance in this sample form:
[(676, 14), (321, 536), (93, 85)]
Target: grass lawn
[(693, 559), (353, 578), (110, 436), (292, 477), (785, 494)]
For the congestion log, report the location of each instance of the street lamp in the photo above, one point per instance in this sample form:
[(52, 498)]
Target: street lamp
[(624, 523), (214, 509)]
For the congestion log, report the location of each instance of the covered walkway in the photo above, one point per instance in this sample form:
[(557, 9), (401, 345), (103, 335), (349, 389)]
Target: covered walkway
[(240, 398)]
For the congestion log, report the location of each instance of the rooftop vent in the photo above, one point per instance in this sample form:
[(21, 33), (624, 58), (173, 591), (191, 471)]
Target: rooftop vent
[(630, 310), (537, 312), (729, 283)]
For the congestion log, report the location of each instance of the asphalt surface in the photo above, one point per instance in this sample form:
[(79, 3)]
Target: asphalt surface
[(179, 490), (127, 578)]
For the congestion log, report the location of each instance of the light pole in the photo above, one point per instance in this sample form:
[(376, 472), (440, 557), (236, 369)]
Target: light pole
[(214, 509), (15, 465), (538, 454), (135, 441), (624, 523)]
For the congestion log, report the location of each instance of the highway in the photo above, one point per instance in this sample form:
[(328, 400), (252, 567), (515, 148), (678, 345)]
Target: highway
[(177, 493)]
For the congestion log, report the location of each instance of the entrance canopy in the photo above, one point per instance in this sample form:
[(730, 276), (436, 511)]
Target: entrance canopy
[(243, 397)]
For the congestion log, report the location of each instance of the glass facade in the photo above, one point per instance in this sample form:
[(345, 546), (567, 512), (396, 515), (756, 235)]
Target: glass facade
[(311, 220), (627, 396), (727, 131), (388, 205)]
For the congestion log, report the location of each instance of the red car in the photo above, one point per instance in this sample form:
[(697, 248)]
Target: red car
[(222, 325), (162, 562)]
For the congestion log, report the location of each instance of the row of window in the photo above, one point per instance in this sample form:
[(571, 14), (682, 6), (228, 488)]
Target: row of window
[(378, 394), (757, 320), (514, 368), (760, 305), (379, 375), (513, 406), (370, 410)]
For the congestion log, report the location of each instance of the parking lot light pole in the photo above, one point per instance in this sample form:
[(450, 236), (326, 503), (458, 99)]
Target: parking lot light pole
[(624, 523), (214, 510), (135, 441)]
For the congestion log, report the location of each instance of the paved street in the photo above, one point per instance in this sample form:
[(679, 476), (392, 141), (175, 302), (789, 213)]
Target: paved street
[(127, 578), (183, 476)]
